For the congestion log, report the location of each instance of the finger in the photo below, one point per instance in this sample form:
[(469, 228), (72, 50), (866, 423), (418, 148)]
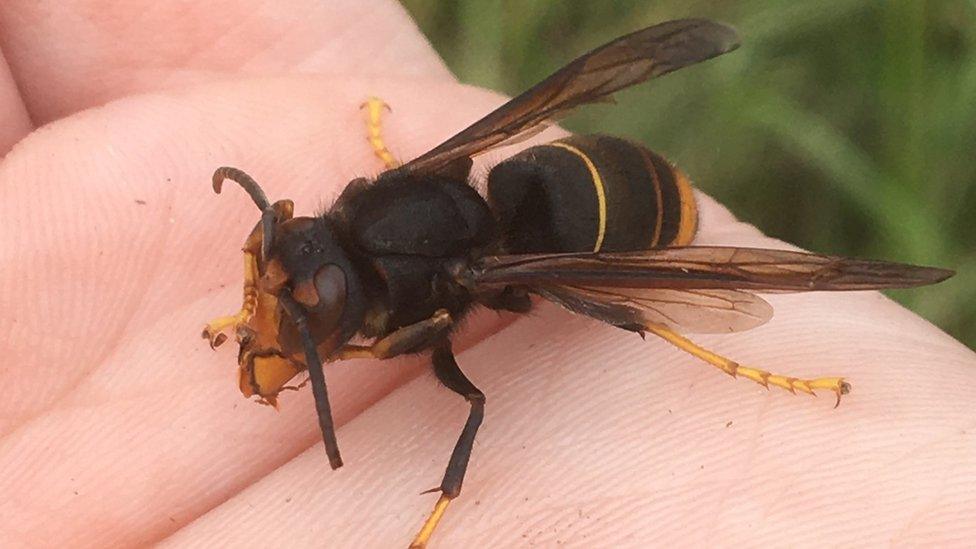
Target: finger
[(15, 123), (92, 51), (127, 255)]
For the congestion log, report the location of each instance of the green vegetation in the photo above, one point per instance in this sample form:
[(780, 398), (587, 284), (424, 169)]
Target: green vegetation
[(847, 127)]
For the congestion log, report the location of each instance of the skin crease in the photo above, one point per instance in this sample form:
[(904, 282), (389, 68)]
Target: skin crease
[(121, 427)]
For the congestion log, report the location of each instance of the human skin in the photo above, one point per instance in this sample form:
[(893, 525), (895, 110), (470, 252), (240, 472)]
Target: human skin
[(121, 427)]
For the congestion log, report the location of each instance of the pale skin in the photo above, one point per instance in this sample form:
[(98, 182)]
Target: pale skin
[(120, 426)]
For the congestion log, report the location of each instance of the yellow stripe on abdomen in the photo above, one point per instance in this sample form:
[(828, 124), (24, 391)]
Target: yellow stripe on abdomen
[(689, 210), (601, 196), (658, 195)]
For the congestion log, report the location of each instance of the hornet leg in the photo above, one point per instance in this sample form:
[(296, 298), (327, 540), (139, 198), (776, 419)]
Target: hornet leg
[(762, 377), (374, 130), (214, 329), (409, 339), (447, 371)]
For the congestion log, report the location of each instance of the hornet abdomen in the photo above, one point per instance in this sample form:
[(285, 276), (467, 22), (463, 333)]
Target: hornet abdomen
[(591, 193)]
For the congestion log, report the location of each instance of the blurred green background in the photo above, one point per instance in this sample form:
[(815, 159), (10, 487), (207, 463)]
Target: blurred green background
[(845, 126)]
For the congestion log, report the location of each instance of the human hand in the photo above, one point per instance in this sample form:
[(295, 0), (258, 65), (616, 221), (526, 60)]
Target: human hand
[(121, 427)]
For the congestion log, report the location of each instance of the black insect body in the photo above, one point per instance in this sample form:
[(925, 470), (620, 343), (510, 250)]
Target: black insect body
[(597, 224), (404, 232)]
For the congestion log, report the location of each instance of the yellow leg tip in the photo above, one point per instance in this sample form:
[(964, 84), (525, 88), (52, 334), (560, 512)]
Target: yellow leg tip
[(214, 330), (374, 107), (423, 536)]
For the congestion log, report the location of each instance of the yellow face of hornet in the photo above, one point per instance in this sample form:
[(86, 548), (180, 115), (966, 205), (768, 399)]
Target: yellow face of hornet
[(264, 368)]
